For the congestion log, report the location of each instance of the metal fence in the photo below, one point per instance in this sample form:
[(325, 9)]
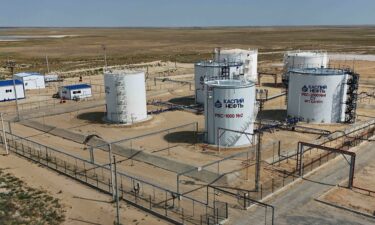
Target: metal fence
[(284, 171), (167, 204), (161, 141)]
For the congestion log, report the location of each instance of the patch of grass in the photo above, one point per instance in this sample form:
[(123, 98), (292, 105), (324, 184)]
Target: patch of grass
[(20, 204)]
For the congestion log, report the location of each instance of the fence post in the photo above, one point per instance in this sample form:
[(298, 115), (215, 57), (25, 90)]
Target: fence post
[(46, 156), (84, 168), (165, 204), (244, 201), (183, 219), (320, 159)]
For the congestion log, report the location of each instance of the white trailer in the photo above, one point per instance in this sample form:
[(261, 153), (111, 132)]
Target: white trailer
[(7, 92), (75, 91), (31, 80)]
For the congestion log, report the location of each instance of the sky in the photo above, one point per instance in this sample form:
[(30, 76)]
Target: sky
[(184, 13)]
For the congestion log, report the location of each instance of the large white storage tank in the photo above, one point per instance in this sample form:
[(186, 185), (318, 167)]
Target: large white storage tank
[(125, 96), (230, 104), (209, 70), (318, 95), (305, 59), (248, 57)]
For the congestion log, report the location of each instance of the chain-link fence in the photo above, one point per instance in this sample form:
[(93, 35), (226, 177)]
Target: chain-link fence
[(165, 203)]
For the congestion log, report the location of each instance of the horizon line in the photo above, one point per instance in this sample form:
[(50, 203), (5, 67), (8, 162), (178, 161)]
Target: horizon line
[(191, 27)]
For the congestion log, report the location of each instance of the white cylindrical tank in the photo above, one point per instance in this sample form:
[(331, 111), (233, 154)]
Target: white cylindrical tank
[(305, 59), (209, 70), (125, 96), (249, 58), (317, 95), (230, 104)]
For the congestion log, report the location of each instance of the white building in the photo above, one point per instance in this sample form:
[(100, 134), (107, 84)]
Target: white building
[(7, 90), (75, 91), (51, 78), (31, 80)]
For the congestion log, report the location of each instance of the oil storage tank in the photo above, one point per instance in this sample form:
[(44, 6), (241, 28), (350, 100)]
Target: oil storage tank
[(125, 96), (249, 58), (210, 70), (303, 59), (322, 95), (230, 104)]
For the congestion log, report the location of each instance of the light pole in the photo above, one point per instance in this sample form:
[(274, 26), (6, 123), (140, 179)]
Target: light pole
[(117, 198), (11, 64), (111, 169)]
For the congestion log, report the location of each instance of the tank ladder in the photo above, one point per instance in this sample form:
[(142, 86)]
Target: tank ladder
[(352, 95), (285, 80), (121, 100), (225, 72), (232, 140)]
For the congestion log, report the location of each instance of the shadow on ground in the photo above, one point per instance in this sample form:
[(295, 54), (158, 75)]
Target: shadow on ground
[(189, 137), (272, 114), (92, 117), (187, 100), (278, 85)]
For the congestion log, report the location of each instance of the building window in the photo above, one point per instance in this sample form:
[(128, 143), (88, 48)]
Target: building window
[(8, 90), (77, 92)]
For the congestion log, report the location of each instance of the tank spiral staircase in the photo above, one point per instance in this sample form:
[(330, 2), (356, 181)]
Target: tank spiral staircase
[(121, 101), (285, 80), (351, 100), (225, 72), (232, 140)]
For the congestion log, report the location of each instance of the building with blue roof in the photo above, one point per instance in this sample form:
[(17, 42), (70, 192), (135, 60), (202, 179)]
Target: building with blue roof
[(7, 92), (31, 80), (75, 91)]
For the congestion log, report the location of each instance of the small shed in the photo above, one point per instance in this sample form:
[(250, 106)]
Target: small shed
[(7, 92), (51, 78), (75, 91), (31, 80)]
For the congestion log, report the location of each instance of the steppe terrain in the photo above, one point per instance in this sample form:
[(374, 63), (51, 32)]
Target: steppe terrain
[(169, 53)]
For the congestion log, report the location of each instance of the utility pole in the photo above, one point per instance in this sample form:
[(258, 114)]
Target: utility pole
[(258, 153), (11, 64), (105, 56), (4, 136), (47, 63), (258, 160), (117, 198)]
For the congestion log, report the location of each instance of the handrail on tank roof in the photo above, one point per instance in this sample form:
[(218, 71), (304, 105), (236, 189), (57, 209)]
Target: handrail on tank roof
[(306, 51)]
